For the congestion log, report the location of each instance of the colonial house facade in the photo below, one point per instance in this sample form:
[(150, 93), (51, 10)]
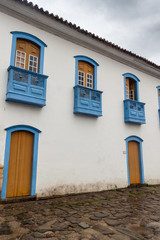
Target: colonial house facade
[(78, 113)]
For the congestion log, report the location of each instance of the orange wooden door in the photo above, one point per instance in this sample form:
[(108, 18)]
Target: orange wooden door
[(27, 55), (133, 158), (20, 164), (87, 69)]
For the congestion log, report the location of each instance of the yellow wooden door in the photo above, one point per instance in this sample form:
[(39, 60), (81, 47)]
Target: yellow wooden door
[(20, 164), (87, 69), (27, 55), (133, 158)]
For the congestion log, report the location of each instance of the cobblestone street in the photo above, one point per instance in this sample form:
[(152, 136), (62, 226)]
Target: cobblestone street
[(132, 213)]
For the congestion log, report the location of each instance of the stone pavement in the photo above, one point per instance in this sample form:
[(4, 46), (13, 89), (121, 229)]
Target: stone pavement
[(122, 214)]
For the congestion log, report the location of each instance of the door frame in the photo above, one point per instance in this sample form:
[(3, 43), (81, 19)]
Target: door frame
[(139, 141), (9, 130)]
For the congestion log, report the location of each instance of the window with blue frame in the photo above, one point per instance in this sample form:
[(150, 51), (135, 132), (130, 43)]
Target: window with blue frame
[(134, 111), (26, 81), (131, 85), (27, 55), (158, 90), (87, 99), (86, 68)]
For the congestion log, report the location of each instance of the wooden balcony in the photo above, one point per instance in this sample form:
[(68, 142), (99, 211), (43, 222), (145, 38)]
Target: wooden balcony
[(25, 86), (134, 111), (87, 101)]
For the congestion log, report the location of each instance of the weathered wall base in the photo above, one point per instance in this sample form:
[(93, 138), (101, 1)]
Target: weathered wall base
[(152, 181), (70, 189)]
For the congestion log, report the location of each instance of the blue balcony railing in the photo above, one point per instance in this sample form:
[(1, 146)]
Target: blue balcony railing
[(87, 101), (134, 111), (26, 87)]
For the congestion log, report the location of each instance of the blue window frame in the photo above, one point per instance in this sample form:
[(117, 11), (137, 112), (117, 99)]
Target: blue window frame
[(139, 140), (136, 82), (87, 100), (90, 61), (26, 86), (28, 37), (134, 110), (9, 130), (158, 91)]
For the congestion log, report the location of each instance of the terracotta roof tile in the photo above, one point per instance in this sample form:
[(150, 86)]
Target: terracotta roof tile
[(89, 34)]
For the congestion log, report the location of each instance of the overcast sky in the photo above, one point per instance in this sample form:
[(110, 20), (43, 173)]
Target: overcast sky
[(131, 24)]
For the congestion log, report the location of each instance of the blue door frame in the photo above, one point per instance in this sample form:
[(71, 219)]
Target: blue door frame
[(9, 130), (139, 141)]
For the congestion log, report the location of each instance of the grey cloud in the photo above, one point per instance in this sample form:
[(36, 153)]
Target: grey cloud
[(132, 24)]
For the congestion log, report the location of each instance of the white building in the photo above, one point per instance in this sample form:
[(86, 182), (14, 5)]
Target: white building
[(78, 113)]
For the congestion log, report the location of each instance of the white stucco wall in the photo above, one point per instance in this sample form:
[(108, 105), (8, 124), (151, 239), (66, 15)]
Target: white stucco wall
[(80, 153)]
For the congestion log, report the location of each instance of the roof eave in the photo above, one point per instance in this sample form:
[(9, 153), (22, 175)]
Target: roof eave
[(31, 16)]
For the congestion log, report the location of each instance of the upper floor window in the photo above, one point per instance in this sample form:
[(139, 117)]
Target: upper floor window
[(27, 55), (134, 110), (158, 89), (87, 99), (27, 52), (86, 72), (131, 89), (26, 81)]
